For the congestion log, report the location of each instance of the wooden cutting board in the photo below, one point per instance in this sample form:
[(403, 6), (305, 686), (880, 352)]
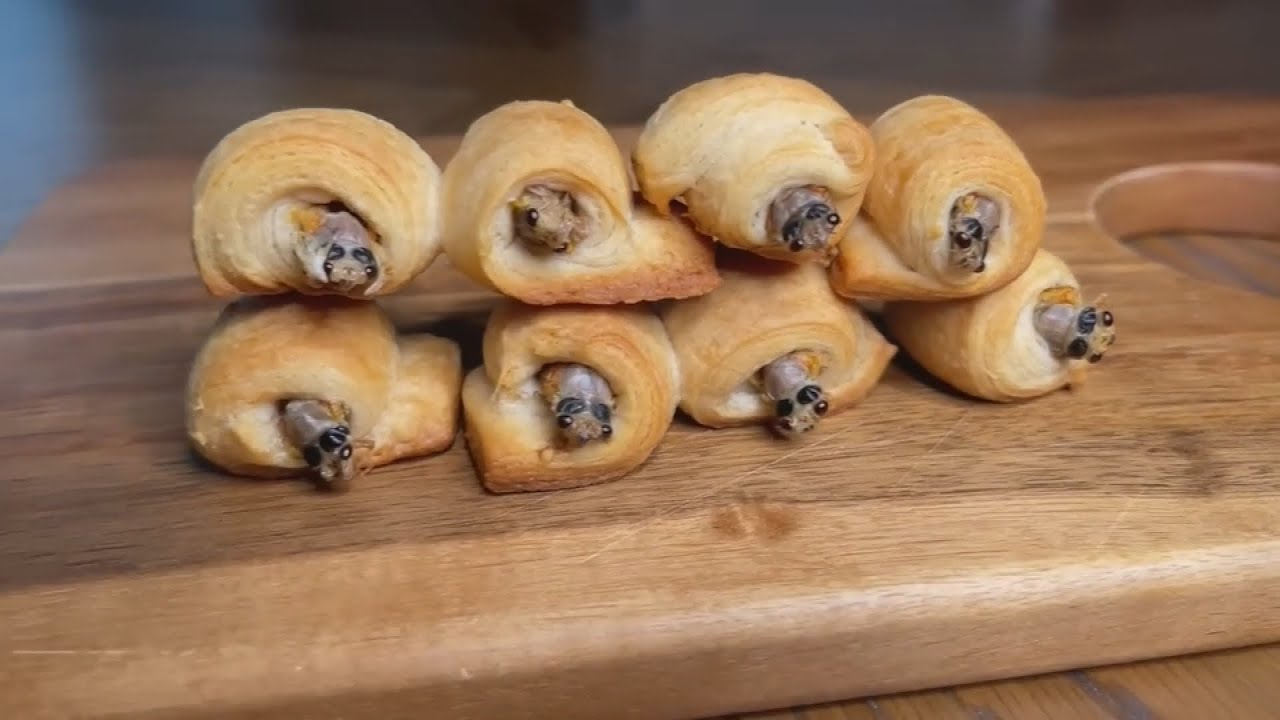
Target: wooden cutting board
[(921, 539)]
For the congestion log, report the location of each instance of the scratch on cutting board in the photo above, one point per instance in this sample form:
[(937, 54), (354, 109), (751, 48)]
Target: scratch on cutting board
[(71, 652), (618, 536), (1105, 538), (941, 439)]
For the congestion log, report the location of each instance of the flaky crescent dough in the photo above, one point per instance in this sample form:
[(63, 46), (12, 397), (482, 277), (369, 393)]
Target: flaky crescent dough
[(760, 312), (509, 428), (988, 346), (633, 255), (255, 187), (727, 146), (931, 150), (401, 393)]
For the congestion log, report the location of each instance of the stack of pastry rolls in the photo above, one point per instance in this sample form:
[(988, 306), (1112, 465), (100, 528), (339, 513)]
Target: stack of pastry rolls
[(302, 219), (949, 241), (579, 381), (776, 171), (720, 269)]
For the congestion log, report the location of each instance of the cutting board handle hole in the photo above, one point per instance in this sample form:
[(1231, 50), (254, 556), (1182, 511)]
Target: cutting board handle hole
[(1214, 220)]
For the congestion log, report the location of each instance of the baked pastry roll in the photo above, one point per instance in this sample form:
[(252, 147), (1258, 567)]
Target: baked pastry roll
[(315, 201), (1031, 337), (568, 395), (773, 345), (762, 162), (321, 386), (541, 210), (953, 210)]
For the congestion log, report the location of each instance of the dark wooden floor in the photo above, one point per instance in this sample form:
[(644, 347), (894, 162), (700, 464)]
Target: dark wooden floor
[(84, 82)]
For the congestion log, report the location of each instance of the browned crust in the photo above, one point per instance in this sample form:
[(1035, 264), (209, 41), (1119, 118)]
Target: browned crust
[(423, 416), (679, 263), (508, 440), (403, 390)]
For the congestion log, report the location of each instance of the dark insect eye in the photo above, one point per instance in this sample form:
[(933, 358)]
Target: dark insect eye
[(564, 421), (311, 454), (796, 246), (606, 430), (833, 219), (328, 267), (1087, 320), (362, 255), (346, 452), (791, 232), (963, 242), (370, 271), (531, 216), (331, 440), (808, 394), (784, 407), (570, 406), (1094, 358), (601, 412), (1107, 319), (821, 407), (335, 252), (1078, 348)]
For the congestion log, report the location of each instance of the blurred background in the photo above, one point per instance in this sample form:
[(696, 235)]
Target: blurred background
[(86, 81)]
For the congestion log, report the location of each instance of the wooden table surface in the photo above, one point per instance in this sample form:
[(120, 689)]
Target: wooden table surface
[(140, 79)]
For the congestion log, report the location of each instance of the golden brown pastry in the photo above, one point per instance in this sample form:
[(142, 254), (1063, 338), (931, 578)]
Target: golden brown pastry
[(762, 162), (541, 210), (954, 209), (1031, 337), (293, 385), (315, 201), (568, 395), (773, 345)]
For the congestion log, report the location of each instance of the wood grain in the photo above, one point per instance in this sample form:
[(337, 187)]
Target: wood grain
[(923, 541)]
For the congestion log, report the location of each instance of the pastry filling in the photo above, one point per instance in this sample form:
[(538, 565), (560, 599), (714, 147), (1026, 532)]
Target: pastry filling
[(580, 401), (322, 437), (974, 221), (548, 220), (337, 248), (1074, 331), (790, 384), (802, 219)]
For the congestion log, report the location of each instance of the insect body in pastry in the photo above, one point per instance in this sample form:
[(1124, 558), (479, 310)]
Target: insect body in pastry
[(568, 395), (541, 210), (319, 386), (791, 384), (336, 249), (954, 209), (548, 219), (1074, 330), (773, 345), (581, 400), (1031, 337), (317, 201), (319, 431), (761, 162)]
